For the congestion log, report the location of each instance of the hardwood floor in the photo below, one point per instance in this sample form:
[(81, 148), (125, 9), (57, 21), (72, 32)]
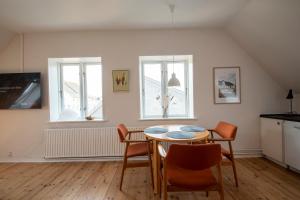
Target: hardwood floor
[(259, 179)]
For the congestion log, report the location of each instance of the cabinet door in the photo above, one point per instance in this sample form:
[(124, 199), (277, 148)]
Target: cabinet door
[(292, 144), (272, 138)]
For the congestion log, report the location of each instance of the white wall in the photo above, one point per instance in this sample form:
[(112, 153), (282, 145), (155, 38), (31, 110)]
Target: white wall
[(10, 57), (21, 130), (5, 37), (296, 103)]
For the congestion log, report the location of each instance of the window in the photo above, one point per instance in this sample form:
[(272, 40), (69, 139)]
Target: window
[(158, 100), (75, 88)]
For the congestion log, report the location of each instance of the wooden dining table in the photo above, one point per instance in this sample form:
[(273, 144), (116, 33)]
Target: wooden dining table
[(163, 137)]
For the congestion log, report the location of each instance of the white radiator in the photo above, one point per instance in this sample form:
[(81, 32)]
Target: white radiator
[(85, 142)]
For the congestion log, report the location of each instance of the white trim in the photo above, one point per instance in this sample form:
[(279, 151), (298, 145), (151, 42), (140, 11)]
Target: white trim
[(275, 161), (79, 121), (167, 119), (21, 35), (242, 153), (164, 61), (43, 160), (82, 85), (82, 92)]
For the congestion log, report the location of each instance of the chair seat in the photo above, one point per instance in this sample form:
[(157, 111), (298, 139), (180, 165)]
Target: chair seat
[(190, 179), (137, 149)]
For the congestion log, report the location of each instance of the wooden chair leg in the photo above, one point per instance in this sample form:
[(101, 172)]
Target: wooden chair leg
[(221, 192), (233, 164), (165, 193), (123, 170), (150, 165), (165, 184), (220, 180), (206, 193), (160, 176), (234, 172)]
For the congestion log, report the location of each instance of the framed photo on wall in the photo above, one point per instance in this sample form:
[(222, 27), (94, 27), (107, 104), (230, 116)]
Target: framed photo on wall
[(227, 85), (120, 80)]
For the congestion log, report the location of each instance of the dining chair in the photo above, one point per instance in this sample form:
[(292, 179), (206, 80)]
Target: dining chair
[(188, 168), (226, 133), (134, 148)]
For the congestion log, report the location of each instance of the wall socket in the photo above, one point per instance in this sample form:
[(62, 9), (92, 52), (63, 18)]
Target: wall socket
[(10, 154)]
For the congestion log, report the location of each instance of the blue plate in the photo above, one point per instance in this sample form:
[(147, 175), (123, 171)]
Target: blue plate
[(181, 135), (155, 130), (192, 128)]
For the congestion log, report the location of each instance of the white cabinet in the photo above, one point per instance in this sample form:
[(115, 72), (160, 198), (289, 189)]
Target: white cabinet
[(272, 138), (292, 144)]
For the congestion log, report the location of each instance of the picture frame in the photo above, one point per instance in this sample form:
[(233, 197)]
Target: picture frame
[(227, 85), (120, 80)]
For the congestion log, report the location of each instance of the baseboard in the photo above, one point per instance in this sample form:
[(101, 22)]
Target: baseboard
[(44, 160), (246, 153), (293, 169), (242, 153), (275, 161)]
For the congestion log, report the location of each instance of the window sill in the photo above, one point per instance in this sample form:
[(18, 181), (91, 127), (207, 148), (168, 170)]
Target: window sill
[(167, 119), (79, 121)]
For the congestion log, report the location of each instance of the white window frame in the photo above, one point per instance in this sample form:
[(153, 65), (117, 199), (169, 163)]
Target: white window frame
[(83, 86), (164, 88)]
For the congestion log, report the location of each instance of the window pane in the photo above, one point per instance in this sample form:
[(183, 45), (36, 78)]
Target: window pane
[(176, 95), (71, 91), (94, 91), (171, 102), (152, 90)]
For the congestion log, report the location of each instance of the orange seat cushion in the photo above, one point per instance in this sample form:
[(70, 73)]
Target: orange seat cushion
[(190, 179), (137, 149)]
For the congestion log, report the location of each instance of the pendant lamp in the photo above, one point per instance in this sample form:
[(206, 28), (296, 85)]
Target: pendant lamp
[(173, 82)]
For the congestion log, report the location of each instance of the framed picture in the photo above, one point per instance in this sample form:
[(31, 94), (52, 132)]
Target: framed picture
[(227, 85), (120, 80)]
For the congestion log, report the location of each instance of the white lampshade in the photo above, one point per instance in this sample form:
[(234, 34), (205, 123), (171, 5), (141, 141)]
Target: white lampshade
[(173, 82)]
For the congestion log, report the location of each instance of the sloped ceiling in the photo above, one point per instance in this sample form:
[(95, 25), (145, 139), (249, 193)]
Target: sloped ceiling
[(62, 15), (270, 31)]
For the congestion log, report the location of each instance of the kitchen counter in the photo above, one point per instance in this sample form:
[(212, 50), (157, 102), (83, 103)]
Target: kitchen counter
[(287, 117)]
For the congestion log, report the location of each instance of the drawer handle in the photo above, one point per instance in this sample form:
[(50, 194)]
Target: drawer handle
[(297, 127)]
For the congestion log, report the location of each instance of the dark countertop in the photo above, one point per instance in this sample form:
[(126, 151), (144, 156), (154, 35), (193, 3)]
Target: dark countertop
[(287, 117)]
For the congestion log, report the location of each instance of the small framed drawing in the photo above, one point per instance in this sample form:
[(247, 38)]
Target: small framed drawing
[(120, 80), (227, 85)]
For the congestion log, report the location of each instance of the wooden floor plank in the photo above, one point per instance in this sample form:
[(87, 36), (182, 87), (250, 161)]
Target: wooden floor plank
[(70, 191), (15, 177), (280, 183), (258, 178), (97, 184), (38, 182), (5, 166), (52, 190)]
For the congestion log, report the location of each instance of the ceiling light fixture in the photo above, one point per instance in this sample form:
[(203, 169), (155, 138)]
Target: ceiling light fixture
[(173, 82)]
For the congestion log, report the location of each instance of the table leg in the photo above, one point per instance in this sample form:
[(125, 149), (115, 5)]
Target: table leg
[(156, 167)]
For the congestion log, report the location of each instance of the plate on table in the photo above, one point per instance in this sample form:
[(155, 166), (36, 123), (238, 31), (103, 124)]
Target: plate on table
[(156, 130), (181, 135), (192, 128)]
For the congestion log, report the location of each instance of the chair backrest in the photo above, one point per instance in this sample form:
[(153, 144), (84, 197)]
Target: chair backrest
[(226, 130), (122, 131), (194, 157)]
